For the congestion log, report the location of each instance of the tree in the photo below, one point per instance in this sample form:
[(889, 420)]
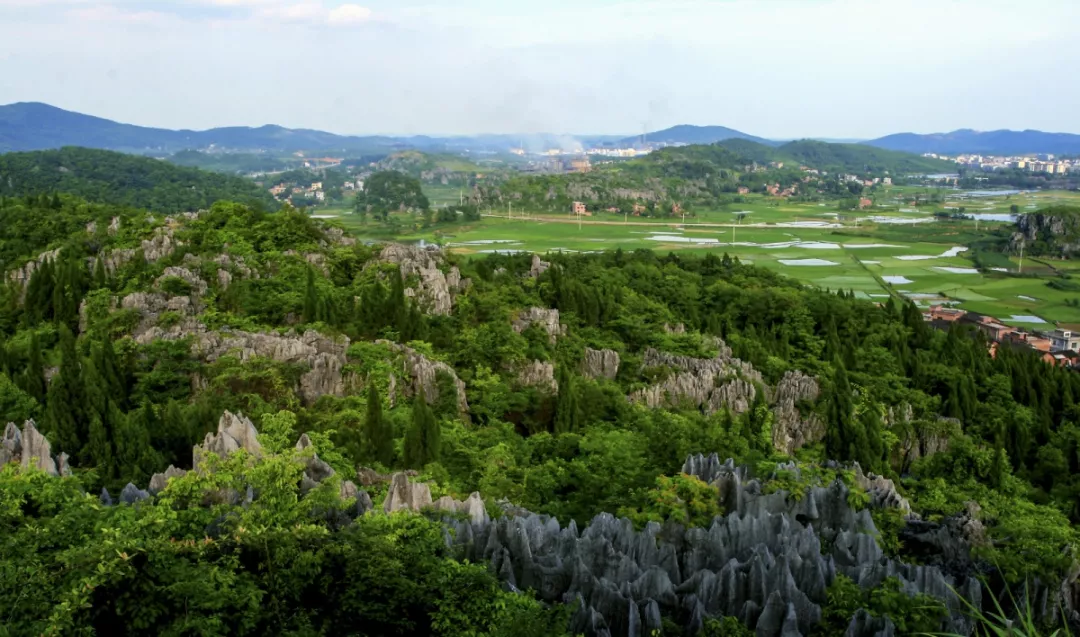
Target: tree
[(32, 380), (389, 191), (377, 430), (567, 411), (311, 297), (423, 438), (64, 417)]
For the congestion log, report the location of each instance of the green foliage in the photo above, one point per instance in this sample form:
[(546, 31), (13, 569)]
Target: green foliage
[(911, 614), (681, 498), (423, 439), (108, 177), (390, 191)]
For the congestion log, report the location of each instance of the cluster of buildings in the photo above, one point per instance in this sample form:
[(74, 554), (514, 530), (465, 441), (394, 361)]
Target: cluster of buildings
[(1031, 163), (1058, 347)]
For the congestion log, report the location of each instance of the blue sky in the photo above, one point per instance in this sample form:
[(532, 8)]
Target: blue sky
[(775, 68)]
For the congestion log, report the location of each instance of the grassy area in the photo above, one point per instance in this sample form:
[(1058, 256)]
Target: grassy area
[(812, 242)]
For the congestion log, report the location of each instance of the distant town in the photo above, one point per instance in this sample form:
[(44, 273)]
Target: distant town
[(1031, 163)]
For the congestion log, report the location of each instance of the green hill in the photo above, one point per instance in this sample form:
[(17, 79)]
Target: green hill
[(115, 178), (853, 158)]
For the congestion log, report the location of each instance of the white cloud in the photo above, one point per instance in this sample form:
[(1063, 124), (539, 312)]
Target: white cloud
[(349, 14)]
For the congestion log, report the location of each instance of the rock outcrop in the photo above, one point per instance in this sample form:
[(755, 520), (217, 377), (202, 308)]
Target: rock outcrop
[(538, 267), (708, 383), (473, 507), (600, 363), (435, 290), (538, 374), (31, 449), (548, 320), (883, 493), (1057, 230), (157, 247), (234, 432), (792, 430), (197, 285), (406, 496), (422, 373), (159, 481), (768, 562), (21, 276)]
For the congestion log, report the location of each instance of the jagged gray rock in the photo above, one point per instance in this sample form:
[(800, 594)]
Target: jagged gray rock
[(883, 493), (600, 363), (159, 481), (538, 267), (132, 494), (762, 562), (709, 383), (324, 356), (157, 247), (11, 445), (36, 451), (198, 286), (105, 498), (405, 495), (21, 276), (317, 469), (539, 374), (547, 319), (792, 430), (473, 507), (434, 291), (423, 372), (234, 432)]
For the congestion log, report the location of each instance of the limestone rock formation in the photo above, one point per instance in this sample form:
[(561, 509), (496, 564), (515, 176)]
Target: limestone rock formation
[(791, 430), (600, 363), (157, 247), (324, 356), (159, 481), (883, 493), (234, 432), (435, 290), (11, 445), (708, 383), (547, 319), (21, 276), (423, 372), (31, 449), (337, 236), (132, 494), (198, 286), (473, 507), (1058, 230), (316, 469), (538, 267), (539, 374), (762, 563), (406, 496)]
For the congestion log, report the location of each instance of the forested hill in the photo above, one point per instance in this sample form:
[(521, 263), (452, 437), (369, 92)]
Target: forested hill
[(1052, 231), (999, 142), (109, 177), (850, 158), (561, 392), (707, 175)]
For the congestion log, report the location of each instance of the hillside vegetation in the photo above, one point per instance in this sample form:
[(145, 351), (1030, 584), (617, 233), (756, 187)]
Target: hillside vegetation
[(579, 387), (707, 176), (126, 180)]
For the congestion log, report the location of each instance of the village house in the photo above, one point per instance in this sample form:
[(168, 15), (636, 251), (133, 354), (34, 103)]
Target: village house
[(865, 203), (278, 190), (676, 208), (743, 190), (579, 208), (639, 209), (1065, 340)]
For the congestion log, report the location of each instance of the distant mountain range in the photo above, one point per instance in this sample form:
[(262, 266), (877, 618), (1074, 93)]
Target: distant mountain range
[(687, 134), (999, 142), (35, 126)]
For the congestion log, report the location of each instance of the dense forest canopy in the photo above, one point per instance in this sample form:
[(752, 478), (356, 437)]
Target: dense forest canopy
[(571, 386), (126, 180)]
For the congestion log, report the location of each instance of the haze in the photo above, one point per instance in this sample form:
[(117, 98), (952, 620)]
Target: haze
[(776, 68)]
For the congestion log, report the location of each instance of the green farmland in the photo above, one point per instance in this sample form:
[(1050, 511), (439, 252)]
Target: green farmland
[(885, 250)]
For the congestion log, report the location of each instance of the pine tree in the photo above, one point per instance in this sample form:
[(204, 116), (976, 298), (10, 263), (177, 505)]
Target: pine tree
[(136, 457), (64, 416), (378, 432), (567, 411), (423, 438), (845, 437), (100, 278), (311, 298), (32, 380)]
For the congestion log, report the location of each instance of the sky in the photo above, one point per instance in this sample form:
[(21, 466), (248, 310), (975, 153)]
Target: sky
[(775, 68)]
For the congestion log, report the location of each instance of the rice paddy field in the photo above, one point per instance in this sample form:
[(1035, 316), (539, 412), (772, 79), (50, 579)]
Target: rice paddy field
[(886, 250)]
